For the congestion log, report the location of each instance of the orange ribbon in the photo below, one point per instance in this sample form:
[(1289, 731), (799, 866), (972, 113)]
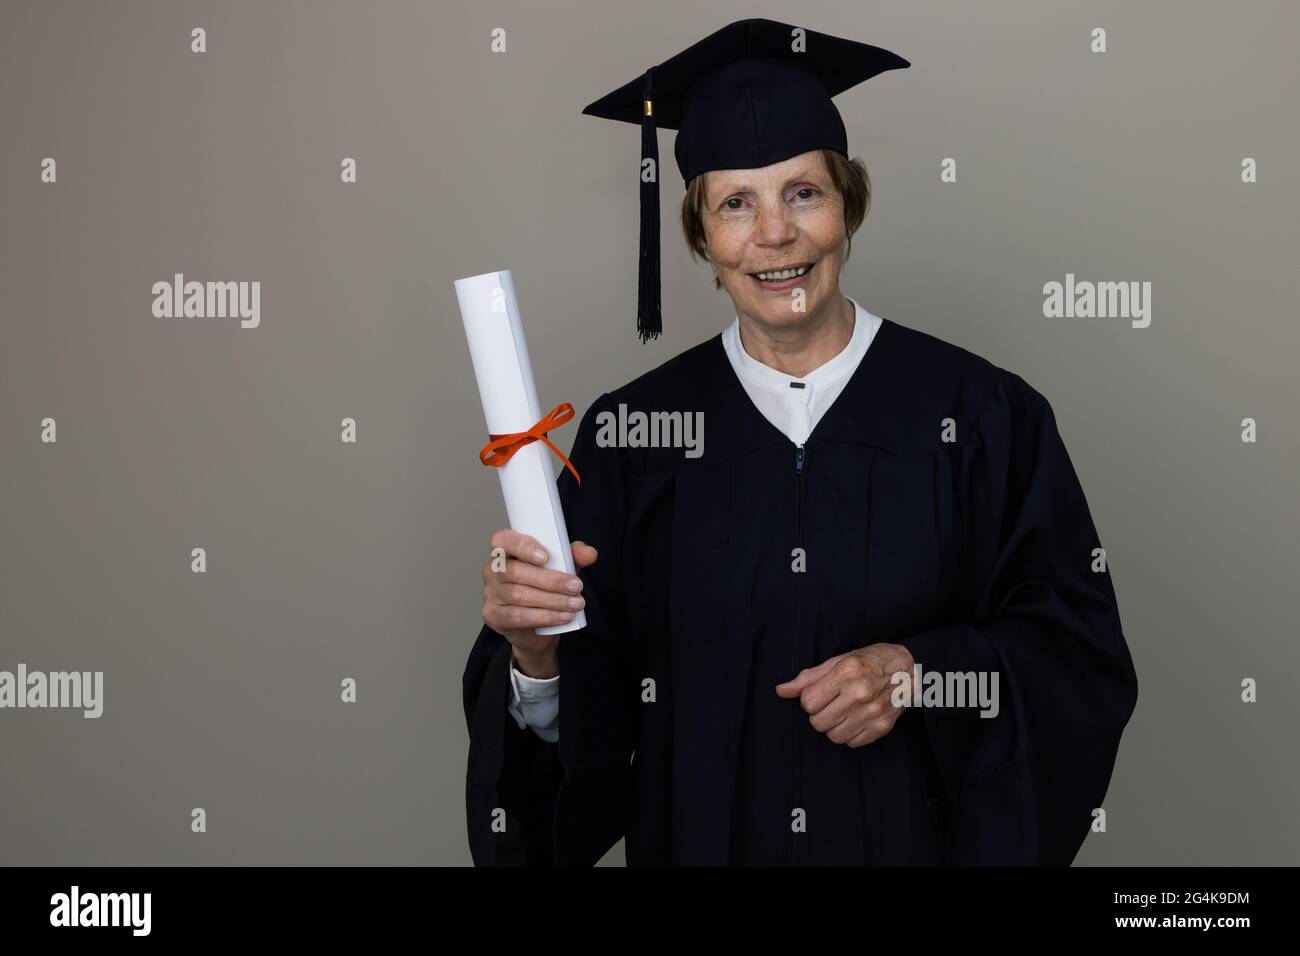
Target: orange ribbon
[(503, 447)]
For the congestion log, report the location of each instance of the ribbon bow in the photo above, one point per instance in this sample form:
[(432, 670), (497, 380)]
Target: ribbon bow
[(502, 448)]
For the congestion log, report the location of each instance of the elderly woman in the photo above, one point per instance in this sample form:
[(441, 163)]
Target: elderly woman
[(879, 522)]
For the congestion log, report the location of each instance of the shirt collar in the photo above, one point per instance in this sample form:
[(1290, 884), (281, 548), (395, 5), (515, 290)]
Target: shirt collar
[(763, 376)]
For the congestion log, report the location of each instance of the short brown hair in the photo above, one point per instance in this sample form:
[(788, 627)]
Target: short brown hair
[(849, 176)]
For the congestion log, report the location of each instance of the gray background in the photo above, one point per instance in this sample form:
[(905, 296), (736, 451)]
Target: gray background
[(329, 560)]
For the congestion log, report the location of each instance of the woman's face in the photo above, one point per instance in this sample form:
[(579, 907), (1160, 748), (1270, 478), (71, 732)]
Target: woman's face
[(776, 218)]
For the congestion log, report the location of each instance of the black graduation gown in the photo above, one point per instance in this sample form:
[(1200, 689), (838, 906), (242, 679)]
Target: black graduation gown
[(977, 553)]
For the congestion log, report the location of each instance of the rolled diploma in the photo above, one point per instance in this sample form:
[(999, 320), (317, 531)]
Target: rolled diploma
[(495, 331)]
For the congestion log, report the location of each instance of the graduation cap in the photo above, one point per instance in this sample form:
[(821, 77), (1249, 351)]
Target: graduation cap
[(754, 93)]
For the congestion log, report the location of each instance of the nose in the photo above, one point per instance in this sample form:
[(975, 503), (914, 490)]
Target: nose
[(775, 225)]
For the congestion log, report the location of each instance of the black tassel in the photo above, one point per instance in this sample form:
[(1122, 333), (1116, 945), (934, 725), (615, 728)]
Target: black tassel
[(648, 321)]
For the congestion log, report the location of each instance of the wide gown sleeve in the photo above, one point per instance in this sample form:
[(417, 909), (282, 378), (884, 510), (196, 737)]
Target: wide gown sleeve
[(1024, 784), (533, 803)]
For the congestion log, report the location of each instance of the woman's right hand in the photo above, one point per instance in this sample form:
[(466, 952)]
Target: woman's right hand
[(528, 595)]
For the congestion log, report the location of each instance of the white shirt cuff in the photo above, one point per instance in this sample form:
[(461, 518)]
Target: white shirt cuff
[(535, 703)]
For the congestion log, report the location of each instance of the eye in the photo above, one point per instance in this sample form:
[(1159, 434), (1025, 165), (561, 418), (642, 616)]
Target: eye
[(805, 189), (728, 203)]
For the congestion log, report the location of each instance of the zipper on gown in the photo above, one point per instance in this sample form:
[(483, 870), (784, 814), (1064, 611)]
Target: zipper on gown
[(795, 770)]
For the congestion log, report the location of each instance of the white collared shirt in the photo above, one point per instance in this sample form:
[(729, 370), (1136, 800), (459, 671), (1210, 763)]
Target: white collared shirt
[(796, 405), (793, 405)]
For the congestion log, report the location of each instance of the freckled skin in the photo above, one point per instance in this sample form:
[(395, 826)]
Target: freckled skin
[(783, 214)]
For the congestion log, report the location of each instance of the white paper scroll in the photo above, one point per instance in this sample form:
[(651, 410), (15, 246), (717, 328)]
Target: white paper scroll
[(497, 348)]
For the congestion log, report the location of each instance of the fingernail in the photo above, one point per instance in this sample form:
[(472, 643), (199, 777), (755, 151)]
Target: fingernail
[(574, 585), (565, 617), (576, 602), (539, 555)]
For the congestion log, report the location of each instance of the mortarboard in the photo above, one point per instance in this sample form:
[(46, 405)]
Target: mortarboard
[(754, 93)]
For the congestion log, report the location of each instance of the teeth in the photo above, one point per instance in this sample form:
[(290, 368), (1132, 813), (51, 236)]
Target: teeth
[(782, 275)]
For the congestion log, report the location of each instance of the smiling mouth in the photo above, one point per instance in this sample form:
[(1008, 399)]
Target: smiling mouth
[(783, 278)]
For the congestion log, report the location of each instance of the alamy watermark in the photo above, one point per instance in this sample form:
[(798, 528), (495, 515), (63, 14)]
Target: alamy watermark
[(76, 908), (1073, 299), (179, 299), (919, 688), (652, 430), (83, 690)]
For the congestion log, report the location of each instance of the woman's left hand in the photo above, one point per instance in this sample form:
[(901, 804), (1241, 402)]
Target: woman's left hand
[(848, 696)]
